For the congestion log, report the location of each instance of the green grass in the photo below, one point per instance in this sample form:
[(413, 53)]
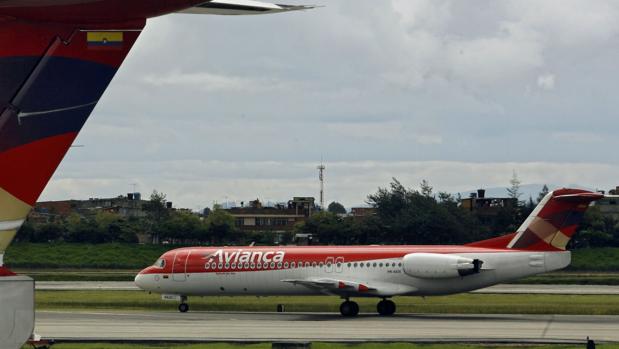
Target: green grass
[(595, 259), (461, 303), (321, 346), (63, 255)]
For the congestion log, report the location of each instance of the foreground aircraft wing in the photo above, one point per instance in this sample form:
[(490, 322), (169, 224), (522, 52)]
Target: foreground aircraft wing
[(348, 287), (241, 7)]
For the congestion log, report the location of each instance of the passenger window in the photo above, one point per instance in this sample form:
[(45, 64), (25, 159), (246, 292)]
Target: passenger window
[(307, 264), (355, 265), (361, 265), (374, 265), (329, 265), (233, 265), (207, 266), (227, 265), (253, 265), (321, 264), (220, 265), (279, 265), (259, 265), (286, 265), (380, 265), (213, 265), (348, 265), (367, 265), (272, 265), (246, 265), (293, 264), (314, 264)]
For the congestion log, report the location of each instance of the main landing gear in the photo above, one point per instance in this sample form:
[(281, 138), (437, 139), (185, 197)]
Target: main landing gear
[(385, 307), (183, 307), (349, 308)]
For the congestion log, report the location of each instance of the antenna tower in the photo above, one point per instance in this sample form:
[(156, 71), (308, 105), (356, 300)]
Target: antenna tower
[(321, 177)]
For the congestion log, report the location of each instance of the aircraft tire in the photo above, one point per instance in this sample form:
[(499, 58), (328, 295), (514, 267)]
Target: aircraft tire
[(183, 307), (386, 307), (349, 309)]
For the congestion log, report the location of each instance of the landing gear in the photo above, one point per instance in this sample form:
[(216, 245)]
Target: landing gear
[(385, 307), (349, 308), (183, 307)]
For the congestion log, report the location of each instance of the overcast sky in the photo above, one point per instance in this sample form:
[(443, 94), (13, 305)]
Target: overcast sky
[(460, 93)]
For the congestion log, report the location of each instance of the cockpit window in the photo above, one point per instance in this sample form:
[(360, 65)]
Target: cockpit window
[(160, 263)]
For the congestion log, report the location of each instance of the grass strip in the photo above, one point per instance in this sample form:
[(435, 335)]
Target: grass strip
[(460, 304)]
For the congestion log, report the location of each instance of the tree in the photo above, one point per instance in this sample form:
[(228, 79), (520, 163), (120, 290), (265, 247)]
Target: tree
[(542, 193), (426, 189), (156, 213), (337, 208), (220, 225), (514, 190), (183, 227), (329, 228)]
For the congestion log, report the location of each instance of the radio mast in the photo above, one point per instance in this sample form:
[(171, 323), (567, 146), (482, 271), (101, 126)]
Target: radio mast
[(321, 177)]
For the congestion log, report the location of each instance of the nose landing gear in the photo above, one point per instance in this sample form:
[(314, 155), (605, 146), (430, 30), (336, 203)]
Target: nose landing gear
[(183, 307), (386, 307), (349, 308)]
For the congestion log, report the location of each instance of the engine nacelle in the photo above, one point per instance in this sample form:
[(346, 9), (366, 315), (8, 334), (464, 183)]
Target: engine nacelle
[(439, 266)]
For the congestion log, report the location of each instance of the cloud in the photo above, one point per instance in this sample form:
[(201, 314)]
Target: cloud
[(444, 90), (546, 82)]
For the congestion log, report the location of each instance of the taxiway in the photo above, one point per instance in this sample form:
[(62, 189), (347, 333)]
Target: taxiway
[(215, 326)]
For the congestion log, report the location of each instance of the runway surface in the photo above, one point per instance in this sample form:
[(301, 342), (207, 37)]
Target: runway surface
[(505, 289), (215, 326)]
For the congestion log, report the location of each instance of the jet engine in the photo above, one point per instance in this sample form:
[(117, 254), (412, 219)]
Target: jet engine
[(439, 266)]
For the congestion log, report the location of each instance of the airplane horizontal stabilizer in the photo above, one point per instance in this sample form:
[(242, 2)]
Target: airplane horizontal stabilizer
[(242, 7)]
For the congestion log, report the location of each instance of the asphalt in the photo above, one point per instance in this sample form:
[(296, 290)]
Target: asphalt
[(502, 289), (215, 326)]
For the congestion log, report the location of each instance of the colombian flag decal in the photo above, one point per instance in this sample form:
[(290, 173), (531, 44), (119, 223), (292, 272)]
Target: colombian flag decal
[(105, 40)]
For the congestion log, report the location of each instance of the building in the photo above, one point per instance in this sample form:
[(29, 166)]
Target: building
[(609, 206), (486, 207), (362, 212), (278, 219), (127, 206)]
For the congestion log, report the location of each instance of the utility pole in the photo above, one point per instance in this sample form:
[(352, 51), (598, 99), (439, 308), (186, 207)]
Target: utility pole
[(321, 177)]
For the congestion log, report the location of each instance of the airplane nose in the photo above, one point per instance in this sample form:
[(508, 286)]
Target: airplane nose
[(140, 281)]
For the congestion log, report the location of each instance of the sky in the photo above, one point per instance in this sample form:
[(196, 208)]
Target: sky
[(461, 93)]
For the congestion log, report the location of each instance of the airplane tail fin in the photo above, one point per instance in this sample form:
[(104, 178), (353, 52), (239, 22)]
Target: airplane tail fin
[(551, 225), (51, 78)]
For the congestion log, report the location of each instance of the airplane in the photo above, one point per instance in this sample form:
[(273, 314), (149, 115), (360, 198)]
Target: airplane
[(538, 246), (57, 57)]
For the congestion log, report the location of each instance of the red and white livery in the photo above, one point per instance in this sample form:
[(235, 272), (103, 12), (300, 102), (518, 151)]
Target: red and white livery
[(538, 246)]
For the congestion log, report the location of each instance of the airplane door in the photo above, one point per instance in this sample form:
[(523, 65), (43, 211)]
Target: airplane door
[(179, 267)]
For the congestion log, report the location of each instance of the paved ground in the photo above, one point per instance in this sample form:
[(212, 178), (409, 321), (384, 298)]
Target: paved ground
[(303, 326), (532, 289)]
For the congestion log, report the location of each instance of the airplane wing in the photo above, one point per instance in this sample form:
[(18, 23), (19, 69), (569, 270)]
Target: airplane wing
[(242, 7), (51, 78), (350, 288)]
